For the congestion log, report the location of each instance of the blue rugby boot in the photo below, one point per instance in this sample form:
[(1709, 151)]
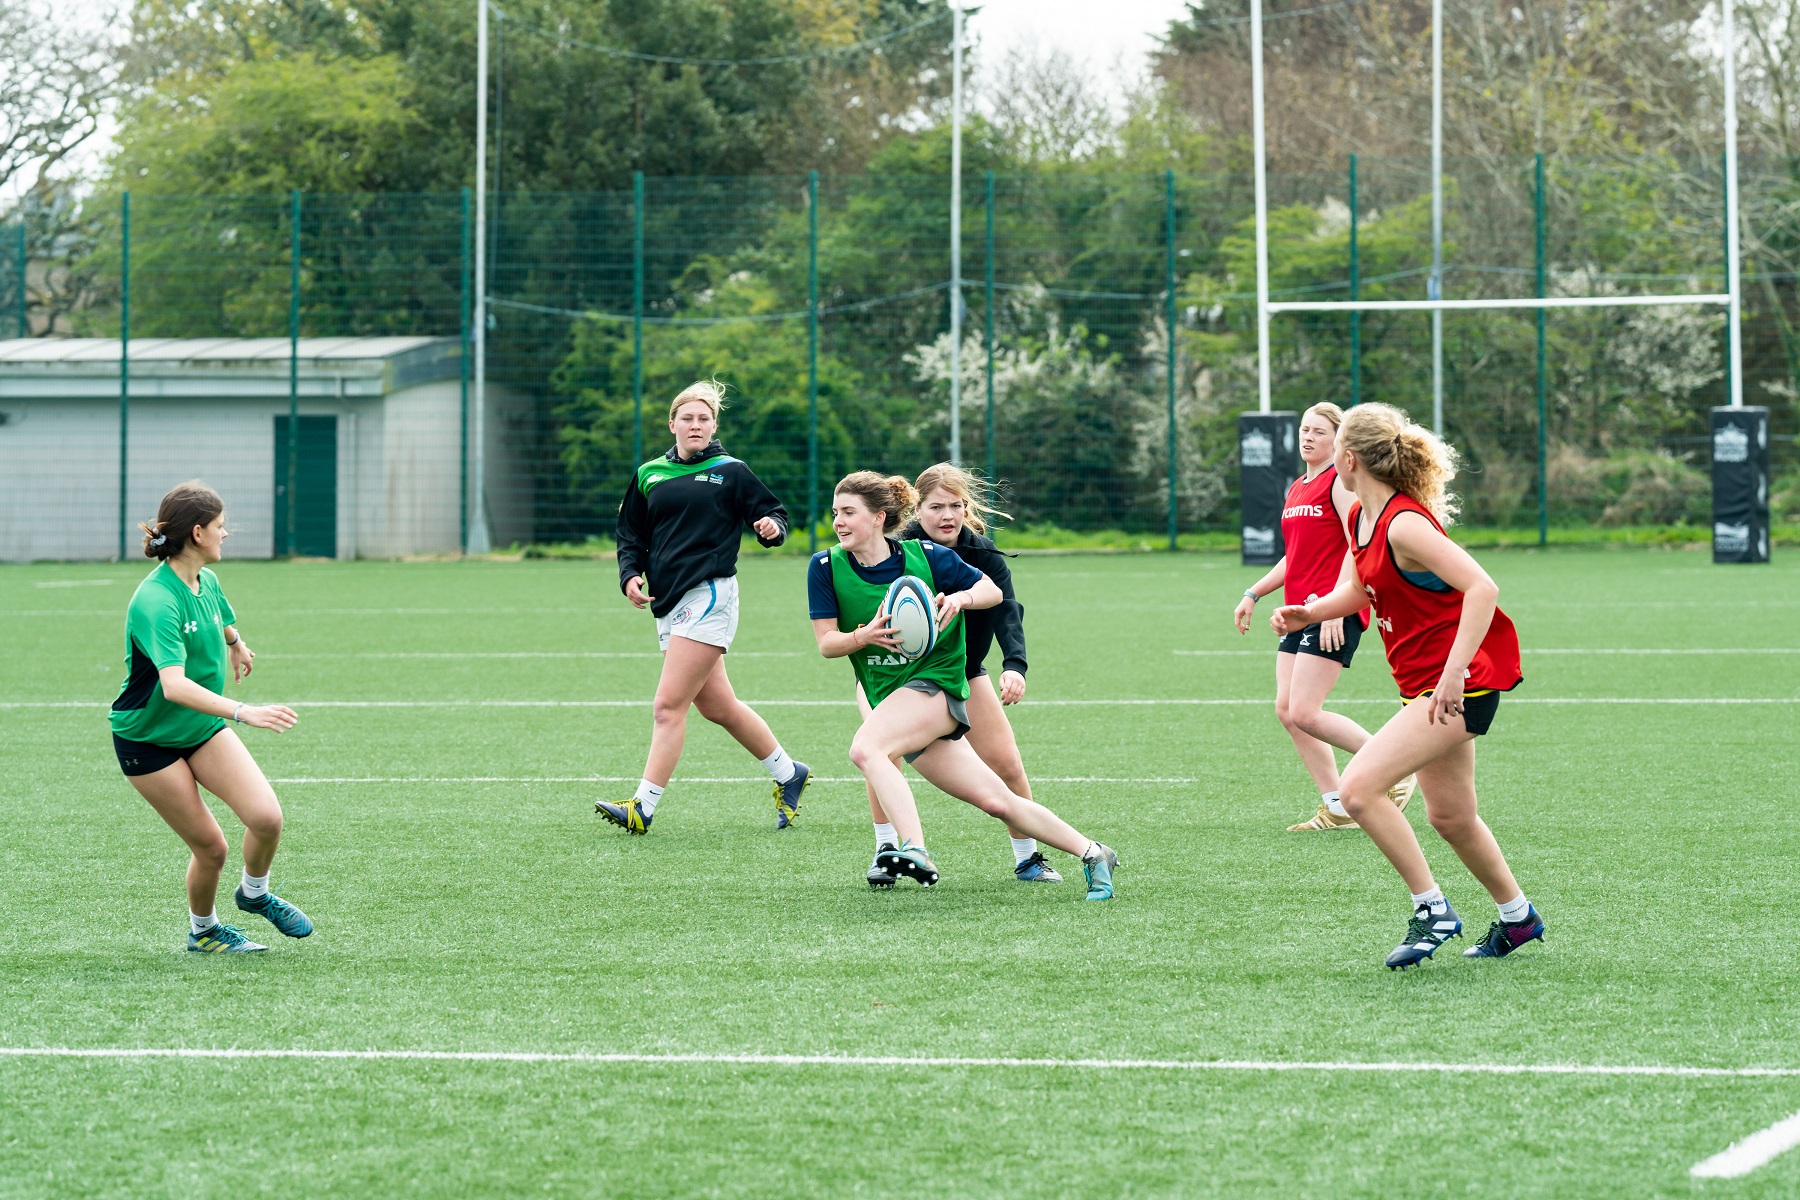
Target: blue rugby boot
[(910, 861), (1503, 937), (287, 920), (1424, 934), (629, 816), (1036, 870), (787, 795), (1098, 866), (222, 939)]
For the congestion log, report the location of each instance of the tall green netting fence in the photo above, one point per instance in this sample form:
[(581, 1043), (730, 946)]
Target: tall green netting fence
[(310, 354)]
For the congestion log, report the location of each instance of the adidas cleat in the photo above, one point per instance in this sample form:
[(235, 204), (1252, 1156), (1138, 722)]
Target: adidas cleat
[(287, 920), (910, 861), (879, 876), (1503, 937), (1324, 819), (222, 939), (1402, 792), (787, 796), (1036, 870), (1424, 934), (1099, 872), (629, 816)]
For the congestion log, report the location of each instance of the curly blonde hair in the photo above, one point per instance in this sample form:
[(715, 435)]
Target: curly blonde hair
[(974, 491), (1406, 456)]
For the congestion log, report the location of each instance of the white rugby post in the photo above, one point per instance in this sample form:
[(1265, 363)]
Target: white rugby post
[(1435, 288), (956, 299), (1730, 299), (478, 531)]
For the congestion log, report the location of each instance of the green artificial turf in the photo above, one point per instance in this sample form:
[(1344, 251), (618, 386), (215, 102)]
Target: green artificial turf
[(472, 901)]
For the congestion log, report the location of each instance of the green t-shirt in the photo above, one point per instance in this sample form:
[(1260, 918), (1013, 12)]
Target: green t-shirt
[(168, 625), (881, 671)]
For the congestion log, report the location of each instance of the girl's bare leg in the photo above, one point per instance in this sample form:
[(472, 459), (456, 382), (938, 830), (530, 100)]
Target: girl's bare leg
[(687, 665), (719, 704), (171, 792), (954, 767), (224, 767), (1408, 744), (900, 724)]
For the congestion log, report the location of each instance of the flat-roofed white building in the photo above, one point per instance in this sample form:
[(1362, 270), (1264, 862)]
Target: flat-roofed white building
[(380, 460)]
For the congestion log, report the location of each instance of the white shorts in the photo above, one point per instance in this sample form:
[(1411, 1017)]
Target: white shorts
[(707, 613)]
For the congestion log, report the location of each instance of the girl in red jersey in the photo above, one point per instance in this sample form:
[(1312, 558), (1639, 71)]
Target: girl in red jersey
[(1452, 651), (1308, 661)]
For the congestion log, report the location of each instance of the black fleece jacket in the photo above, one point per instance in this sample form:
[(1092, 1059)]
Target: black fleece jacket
[(680, 526), (1005, 621)]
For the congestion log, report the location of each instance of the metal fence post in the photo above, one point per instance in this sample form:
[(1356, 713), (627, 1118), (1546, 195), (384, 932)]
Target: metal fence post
[(1169, 282), (1355, 294), (463, 458), (293, 446), (24, 264), (637, 318), (992, 470), (1543, 453), (124, 360), (812, 361)]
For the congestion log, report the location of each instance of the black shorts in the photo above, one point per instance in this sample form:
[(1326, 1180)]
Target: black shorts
[(1478, 711), (959, 712), (1307, 642), (147, 758)]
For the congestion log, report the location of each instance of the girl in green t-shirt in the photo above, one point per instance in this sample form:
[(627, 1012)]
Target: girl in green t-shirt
[(917, 708), (169, 720)]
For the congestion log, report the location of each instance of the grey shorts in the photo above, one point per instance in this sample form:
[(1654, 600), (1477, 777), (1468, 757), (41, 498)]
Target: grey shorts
[(959, 712)]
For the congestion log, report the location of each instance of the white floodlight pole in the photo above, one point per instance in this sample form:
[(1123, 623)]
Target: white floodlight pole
[(1436, 289), (1734, 307), (478, 531), (1263, 399), (956, 81)]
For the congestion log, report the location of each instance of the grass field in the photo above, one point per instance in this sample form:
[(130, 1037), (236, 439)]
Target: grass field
[(441, 832)]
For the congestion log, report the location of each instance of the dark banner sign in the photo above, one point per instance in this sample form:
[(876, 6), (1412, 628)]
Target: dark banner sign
[(1268, 460), (1740, 479)]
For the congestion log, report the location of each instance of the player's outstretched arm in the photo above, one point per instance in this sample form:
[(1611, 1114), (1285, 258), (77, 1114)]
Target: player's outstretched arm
[(179, 689), (1347, 597)]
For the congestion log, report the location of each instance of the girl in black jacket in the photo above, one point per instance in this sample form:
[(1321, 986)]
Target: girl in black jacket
[(678, 533), (952, 512)]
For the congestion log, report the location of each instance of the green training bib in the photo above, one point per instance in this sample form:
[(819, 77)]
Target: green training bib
[(879, 669)]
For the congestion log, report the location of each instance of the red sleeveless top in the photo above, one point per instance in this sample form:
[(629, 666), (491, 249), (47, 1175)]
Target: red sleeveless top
[(1418, 625), (1314, 538)]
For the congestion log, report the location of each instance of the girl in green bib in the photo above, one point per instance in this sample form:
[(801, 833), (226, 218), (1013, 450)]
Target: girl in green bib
[(917, 708), (170, 721)]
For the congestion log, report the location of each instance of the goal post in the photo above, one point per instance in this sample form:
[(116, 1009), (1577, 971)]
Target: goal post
[(1730, 299)]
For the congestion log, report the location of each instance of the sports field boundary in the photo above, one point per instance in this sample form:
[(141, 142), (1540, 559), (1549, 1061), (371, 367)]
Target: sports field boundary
[(846, 702), (862, 1061)]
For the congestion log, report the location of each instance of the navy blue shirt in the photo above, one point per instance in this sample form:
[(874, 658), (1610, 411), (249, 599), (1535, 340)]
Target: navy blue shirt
[(948, 574)]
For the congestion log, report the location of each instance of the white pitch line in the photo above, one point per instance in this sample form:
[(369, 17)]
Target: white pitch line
[(683, 779), (886, 1061), (1533, 651), (1741, 1158), (1179, 702), (456, 654)]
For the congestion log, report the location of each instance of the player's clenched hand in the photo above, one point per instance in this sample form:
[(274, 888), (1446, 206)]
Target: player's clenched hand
[(767, 529), (634, 592), (878, 633), (1331, 634), (1012, 687), (278, 717), (1245, 610), (1288, 618), (949, 606)]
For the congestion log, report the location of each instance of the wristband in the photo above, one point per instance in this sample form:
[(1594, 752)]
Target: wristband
[(1251, 596), (235, 642), (236, 711)]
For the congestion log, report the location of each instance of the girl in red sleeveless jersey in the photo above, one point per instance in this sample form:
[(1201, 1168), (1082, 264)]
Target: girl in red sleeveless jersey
[(1452, 651), (1308, 661)]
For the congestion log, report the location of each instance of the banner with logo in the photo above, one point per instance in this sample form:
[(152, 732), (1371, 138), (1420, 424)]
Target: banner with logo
[(1268, 460), (1740, 479)]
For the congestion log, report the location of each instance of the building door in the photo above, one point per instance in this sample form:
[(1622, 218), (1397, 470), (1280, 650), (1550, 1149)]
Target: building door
[(315, 513)]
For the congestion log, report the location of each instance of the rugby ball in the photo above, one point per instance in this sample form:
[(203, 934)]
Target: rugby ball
[(912, 616)]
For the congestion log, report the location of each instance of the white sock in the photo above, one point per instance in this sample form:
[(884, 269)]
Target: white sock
[(1333, 805), (198, 924), (1023, 848), (1515, 909), (885, 836), (779, 765), (1433, 899), (647, 796), (254, 886)]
